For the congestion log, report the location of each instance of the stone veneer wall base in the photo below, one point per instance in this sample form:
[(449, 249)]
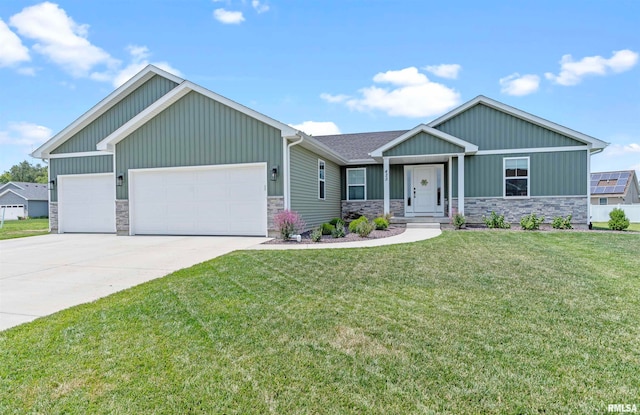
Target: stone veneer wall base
[(275, 204), (514, 209), (53, 217), (122, 217), (370, 208)]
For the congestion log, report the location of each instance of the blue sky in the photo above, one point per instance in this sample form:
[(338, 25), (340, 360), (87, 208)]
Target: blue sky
[(330, 66)]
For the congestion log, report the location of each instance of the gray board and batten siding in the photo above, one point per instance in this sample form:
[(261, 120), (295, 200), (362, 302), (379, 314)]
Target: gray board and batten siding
[(116, 116), (423, 143), (551, 174), (78, 165), (199, 131), (304, 179), (491, 129)]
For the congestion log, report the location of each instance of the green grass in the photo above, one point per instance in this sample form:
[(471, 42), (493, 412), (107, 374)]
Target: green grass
[(605, 226), (466, 323), (21, 228)]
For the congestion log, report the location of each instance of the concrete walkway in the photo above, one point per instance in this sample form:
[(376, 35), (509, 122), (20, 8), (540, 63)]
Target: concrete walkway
[(41, 275), (409, 235)]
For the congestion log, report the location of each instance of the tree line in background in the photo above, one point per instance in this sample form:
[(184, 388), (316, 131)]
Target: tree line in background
[(25, 172)]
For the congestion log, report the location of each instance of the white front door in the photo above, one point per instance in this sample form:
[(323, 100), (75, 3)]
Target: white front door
[(425, 190)]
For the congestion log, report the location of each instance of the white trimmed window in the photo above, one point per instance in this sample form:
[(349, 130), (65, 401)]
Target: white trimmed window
[(357, 184), (516, 177), (604, 201), (321, 184)]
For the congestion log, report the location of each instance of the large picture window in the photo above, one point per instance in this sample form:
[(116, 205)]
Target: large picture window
[(321, 173), (516, 177), (357, 184)]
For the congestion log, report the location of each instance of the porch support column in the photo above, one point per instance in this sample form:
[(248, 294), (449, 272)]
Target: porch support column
[(385, 172), (450, 186), (461, 184)]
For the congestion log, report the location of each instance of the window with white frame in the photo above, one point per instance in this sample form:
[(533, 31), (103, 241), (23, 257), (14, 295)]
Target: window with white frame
[(516, 177), (321, 175), (357, 184), (604, 201)]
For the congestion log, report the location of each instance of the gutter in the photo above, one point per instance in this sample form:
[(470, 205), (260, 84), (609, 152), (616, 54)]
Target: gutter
[(287, 169)]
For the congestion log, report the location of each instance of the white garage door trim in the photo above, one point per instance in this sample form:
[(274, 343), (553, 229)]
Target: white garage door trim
[(102, 188), (245, 215), (11, 212)]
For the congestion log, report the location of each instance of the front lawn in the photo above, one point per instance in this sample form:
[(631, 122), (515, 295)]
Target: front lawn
[(466, 323), (605, 226), (21, 228)]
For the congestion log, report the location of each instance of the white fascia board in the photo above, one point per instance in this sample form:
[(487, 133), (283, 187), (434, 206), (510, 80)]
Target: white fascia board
[(317, 147), (481, 99), (80, 154), (12, 191), (287, 130), (109, 142), (103, 106), (468, 147)]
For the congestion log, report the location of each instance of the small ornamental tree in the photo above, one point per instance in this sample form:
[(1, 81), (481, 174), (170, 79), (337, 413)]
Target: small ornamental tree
[(288, 223), (618, 220)]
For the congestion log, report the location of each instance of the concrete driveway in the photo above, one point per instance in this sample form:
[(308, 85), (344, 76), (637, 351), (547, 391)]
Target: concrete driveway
[(43, 274)]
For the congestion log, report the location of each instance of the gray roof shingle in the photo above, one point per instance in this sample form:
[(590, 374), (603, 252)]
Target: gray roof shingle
[(30, 191), (358, 146)]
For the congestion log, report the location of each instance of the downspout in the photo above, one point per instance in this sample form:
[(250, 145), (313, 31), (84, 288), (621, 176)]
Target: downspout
[(287, 171)]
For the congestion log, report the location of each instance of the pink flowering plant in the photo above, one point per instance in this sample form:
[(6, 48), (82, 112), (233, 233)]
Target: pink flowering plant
[(288, 223)]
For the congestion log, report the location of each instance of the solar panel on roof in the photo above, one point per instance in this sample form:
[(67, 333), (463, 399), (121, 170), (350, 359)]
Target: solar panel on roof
[(596, 176), (608, 189), (624, 174), (598, 190), (619, 189), (622, 182)]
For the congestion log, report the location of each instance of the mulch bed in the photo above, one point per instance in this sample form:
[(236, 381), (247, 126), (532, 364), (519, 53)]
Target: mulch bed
[(349, 237)]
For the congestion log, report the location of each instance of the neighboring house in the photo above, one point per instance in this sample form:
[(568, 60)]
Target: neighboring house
[(20, 200), (615, 188), (162, 155)]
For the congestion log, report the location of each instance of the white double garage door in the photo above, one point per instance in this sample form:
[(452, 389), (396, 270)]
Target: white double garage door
[(202, 200)]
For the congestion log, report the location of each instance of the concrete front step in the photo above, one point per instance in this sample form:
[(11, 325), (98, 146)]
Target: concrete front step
[(423, 225)]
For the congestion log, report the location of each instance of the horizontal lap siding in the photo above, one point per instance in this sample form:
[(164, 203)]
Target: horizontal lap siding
[(423, 143), (197, 131), (78, 165), (375, 183), (12, 199), (87, 138), (491, 129), (304, 187)]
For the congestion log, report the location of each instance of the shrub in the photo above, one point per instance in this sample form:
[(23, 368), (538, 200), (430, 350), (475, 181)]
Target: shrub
[(381, 223), (288, 223), (354, 223), (339, 231), (365, 228), (531, 222), (316, 234), (618, 221), (335, 221), (496, 221), (562, 223), (459, 221), (327, 228)]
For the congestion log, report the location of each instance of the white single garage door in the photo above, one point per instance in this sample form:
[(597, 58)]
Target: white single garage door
[(202, 200), (11, 212), (86, 203)]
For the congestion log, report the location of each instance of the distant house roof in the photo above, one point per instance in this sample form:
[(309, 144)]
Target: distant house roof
[(29, 191), (612, 182), (358, 146)]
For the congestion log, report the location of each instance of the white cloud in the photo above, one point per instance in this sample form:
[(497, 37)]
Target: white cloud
[(27, 71), (317, 127), (616, 150), (334, 98), (60, 38), (572, 72), (445, 70), (228, 17), (259, 7), (12, 51), (412, 95), (517, 85), (24, 134), (139, 60)]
